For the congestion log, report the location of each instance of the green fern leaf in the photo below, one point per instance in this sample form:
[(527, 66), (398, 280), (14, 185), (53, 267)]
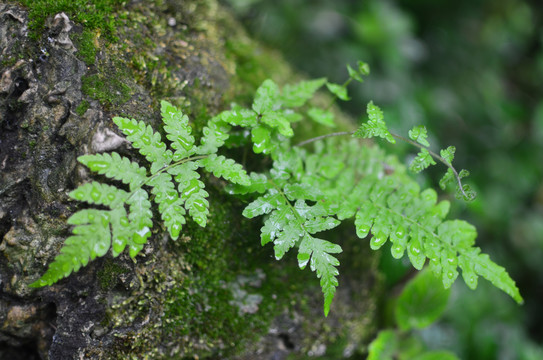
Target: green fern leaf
[(170, 206), (322, 263), (91, 239), (353, 74), (176, 125), (141, 216), (338, 90), (324, 117), (258, 183), (266, 98), (115, 167), (262, 140), (276, 120), (375, 126), (147, 141), (421, 161), (191, 191), (448, 154), (298, 94), (239, 117), (225, 168), (215, 135), (100, 194), (419, 134)]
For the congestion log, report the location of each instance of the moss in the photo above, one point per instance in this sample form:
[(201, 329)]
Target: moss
[(109, 91), (94, 14), (86, 45), (108, 275), (82, 107)]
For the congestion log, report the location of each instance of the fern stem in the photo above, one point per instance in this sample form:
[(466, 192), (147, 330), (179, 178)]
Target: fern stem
[(165, 168), (437, 157), (434, 155), (340, 133)]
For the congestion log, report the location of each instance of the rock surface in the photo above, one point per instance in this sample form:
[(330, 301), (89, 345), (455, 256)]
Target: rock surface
[(216, 293)]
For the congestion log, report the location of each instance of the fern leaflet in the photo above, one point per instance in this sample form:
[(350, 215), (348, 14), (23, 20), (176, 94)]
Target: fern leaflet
[(173, 179)]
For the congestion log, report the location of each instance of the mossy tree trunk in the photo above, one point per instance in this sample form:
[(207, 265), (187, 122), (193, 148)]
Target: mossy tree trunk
[(215, 292)]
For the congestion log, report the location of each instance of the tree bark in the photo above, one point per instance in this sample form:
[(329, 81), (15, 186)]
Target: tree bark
[(215, 293)]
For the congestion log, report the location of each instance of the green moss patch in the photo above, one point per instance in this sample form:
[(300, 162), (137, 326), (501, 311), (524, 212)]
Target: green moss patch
[(93, 14)]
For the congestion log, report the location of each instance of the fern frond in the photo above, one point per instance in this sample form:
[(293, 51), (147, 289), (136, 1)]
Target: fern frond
[(115, 167), (178, 131), (100, 194), (191, 191), (375, 126), (148, 142), (92, 238), (228, 169), (324, 264), (298, 94), (215, 134), (170, 206), (266, 98)]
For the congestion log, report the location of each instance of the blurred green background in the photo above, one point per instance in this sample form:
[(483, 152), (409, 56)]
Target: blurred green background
[(471, 71)]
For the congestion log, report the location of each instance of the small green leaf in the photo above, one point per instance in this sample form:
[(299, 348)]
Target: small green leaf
[(363, 68), (419, 134), (422, 302), (353, 74), (258, 183), (421, 161), (215, 134), (448, 154), (267, 97), (375, 126), (239, 117), (338, 90), (324, 117), (261, 138), (228, 169), (323, 264), (298, 94), (276, 120), (446, 179), (100, 194), (115, 167), (178, 131), (147, 141), (384, 346), (263, 205)]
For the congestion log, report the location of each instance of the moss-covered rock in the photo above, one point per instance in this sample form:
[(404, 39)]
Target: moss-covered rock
[(214, 293)]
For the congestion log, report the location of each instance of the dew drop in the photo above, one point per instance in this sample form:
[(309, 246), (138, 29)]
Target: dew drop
[(377, 241), (400, 232), (146, 140), (199, 205), (124, 221), (95, 194), (79, 195), (397, 251), (192, 188)]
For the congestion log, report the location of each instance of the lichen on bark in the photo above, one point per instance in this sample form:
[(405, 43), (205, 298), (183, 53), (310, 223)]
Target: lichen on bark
[(213, 293)]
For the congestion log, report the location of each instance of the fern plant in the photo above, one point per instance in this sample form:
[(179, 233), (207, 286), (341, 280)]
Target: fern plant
[(311, 187), (172, 182)]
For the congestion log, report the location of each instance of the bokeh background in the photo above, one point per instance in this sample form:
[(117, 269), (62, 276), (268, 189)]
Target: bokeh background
[(471, 71)]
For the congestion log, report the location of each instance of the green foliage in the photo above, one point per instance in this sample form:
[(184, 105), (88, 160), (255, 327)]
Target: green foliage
[(173, 180), (375, 126), (421, 302), (302, 194)]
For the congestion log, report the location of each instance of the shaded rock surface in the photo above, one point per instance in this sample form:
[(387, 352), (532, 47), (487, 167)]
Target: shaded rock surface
[(216, 293)]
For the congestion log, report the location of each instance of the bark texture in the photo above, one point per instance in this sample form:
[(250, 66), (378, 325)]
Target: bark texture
[(216, 293)]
